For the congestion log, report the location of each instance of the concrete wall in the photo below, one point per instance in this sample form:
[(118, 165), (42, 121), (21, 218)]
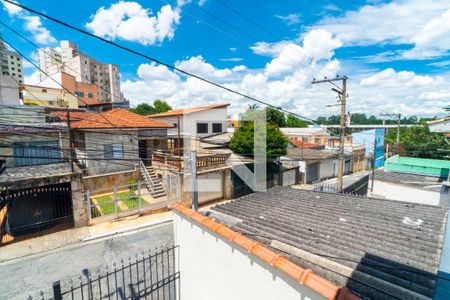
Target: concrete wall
[(408, 194), (9, 91), (62, 138), (94, 144), (106, 181), (211, 267), (80, 210)]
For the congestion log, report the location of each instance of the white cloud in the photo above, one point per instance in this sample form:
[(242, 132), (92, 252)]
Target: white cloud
[(33, 78), (130, 21), (32, 24), (440, 63), (291, 19), (409, 22), (197, 65), (372, 93), (232, 59)]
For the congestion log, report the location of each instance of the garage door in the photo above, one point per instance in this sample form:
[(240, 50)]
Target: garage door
[(312, 172), (210, 187)]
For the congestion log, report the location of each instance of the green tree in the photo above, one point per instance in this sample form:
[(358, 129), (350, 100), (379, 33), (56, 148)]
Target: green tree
[(274, 116), (293, 121), (161, 106), (417, 141), (242, 141), (143, 109)]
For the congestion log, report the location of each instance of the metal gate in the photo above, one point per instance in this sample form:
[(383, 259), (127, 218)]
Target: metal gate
[(153, 276), (312, 172), (37, 209)]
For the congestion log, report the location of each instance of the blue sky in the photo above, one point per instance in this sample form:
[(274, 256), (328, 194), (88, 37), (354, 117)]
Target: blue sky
[(396, 53)]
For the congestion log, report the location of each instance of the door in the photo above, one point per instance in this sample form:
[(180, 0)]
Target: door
[(143, 152), (312, 172)]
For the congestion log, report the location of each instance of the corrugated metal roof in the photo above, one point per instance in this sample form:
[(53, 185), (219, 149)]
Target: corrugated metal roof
[(413, 180), (392, 248)]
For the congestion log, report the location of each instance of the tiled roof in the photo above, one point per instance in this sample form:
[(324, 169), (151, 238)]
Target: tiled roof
[(379, 249), (310, 154), (185, 111), (413, 180), (88, 101), (119, 118), (304, 276), (73, 115), (303, 144)]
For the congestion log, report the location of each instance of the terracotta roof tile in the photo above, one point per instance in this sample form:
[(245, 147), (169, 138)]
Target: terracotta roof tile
[(303, 144), (74, 115), (119, 118), (185, 111), (303, 276)]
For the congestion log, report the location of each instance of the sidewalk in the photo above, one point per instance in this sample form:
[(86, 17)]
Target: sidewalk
[(78, 235)]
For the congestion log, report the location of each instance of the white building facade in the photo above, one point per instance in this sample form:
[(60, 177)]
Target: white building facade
[(11, 63), (84, 68)]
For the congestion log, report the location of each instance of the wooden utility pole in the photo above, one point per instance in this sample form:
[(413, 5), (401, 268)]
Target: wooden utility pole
[(342, 93)]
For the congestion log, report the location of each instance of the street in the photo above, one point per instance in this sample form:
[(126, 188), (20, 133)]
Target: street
[(25, 278)]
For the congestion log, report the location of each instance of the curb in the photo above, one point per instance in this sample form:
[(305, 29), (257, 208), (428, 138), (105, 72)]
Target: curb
[(120, 231)]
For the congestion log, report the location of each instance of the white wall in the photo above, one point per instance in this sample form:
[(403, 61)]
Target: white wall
[(407, 194), (326, 168), (213, 268), (9, 91)]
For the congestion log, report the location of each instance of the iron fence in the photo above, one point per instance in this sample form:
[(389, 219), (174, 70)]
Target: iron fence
[(152, 276)]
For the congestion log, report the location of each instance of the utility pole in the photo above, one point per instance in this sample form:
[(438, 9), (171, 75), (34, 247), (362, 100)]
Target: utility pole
[(342, 94), (70, 140), (194, 185), (399, 117)]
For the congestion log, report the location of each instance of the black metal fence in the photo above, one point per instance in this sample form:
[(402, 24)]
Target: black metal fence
[(152, 276)]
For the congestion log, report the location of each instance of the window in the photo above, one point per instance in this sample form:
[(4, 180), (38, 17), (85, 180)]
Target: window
[(113, 151), (79, 94), (217, 127), (202, 127), (36, 153), (90, 95), (44, 90)]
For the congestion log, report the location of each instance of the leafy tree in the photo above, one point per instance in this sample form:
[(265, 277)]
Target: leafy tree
[(161, 106), (417, 141), (145, 109), (322, 120), (293, 121), (274, 116), (242, 141)]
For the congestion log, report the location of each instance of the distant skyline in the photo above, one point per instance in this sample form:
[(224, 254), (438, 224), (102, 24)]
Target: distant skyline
[(395, 53)]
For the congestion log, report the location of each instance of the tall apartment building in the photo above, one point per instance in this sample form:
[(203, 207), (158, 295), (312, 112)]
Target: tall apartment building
[(85, 69), (11, 63)]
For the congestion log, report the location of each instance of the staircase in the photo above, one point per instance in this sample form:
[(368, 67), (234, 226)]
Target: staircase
[(152, 182)]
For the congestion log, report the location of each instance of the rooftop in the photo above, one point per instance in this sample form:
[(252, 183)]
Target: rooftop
[(310, 154), (447, 118), (379, 249), (35, 172), (73, 115), (418, 166), (423, 182), (303, 144), (306, 130), (185, 111), (119, 118)]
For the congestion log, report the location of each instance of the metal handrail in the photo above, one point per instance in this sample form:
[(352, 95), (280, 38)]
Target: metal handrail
[(147, 176)]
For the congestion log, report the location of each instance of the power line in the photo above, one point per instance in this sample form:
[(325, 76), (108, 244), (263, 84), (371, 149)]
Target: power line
[(172, 67)]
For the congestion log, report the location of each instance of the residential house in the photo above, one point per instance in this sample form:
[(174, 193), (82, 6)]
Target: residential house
[(295, 244), (191, 124), (39, 189), (47, 96), (315, 135), (440, 125), (414, 180), (315, 165), (117, 140)]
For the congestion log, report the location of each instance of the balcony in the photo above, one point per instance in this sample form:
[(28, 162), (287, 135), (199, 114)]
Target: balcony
[(205, 160)]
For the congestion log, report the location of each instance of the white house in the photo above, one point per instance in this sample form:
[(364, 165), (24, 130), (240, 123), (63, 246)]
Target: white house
[(196, 122), (440, 125), (316, 135)]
